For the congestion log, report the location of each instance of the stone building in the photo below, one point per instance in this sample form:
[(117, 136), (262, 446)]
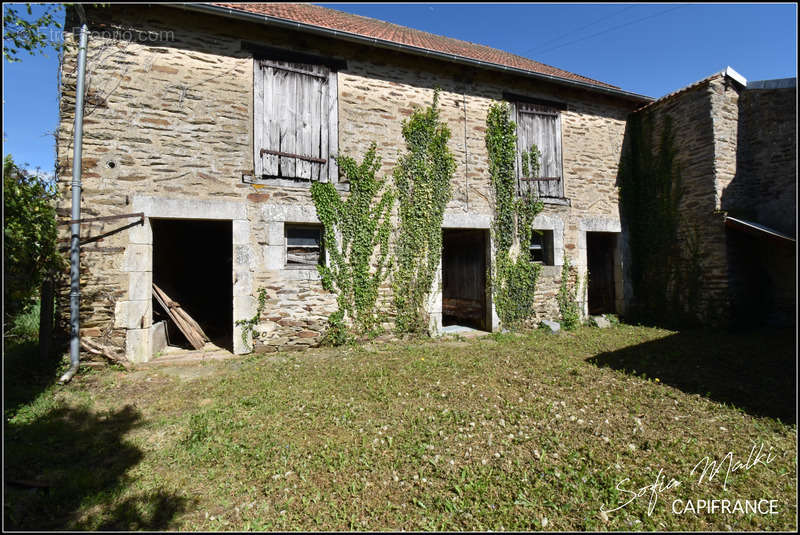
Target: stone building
[(736, 144), (187, 123)]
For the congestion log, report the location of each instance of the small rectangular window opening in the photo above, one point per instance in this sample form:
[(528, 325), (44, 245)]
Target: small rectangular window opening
[(541, 247), (304, 248)]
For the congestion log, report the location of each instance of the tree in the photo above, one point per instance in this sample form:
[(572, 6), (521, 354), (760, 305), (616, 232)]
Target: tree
[(29, 235), (21, 34)]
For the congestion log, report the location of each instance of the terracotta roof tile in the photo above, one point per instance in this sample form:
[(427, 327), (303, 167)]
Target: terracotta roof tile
[(680, 91), (367, 27)]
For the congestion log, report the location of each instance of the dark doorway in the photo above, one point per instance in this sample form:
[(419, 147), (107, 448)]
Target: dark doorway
[(761, 280), (464, 278), (600, 253), (193, 265)]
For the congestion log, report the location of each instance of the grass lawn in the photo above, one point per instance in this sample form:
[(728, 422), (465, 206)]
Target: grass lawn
[(505, 432)]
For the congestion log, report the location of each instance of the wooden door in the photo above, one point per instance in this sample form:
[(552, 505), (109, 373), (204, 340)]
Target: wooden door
[(600, 248), (464, 278)]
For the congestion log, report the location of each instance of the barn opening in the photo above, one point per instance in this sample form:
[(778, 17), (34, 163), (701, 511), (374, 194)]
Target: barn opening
[(762, 285), (464, 265), (601, 252), (193, 265)]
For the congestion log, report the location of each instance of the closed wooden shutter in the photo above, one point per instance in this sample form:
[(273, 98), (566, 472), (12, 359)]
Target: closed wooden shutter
[(541, 126), (295, 116)]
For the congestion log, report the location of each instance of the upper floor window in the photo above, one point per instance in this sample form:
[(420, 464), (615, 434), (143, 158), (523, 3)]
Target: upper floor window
[(540, 125), (295, 113)]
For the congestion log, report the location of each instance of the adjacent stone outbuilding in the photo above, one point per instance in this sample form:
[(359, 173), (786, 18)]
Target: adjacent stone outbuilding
[(736, 151)]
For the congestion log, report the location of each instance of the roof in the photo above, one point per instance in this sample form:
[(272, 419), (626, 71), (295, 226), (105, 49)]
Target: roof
[(756, 228), (777, 83), (377, 29), (727, 71)]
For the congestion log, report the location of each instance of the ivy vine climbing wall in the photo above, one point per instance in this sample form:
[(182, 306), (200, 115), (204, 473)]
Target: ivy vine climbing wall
[(514, 274), (423, 181), (650, 196), (356, 239)]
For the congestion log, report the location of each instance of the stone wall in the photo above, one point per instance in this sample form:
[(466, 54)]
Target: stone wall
[(766, 184), (171, 121), (737, 155), (724, 93), (763, 285), (704, 126)]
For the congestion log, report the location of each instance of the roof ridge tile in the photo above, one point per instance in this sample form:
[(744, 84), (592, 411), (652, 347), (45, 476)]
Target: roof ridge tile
[(379, 29)]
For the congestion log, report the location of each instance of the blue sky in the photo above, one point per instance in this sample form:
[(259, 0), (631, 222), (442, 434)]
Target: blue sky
[(651, 49)]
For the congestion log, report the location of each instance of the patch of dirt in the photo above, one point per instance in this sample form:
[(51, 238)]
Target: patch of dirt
[(191, 373), (455, 343)]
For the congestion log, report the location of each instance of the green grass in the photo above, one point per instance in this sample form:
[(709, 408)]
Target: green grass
[(505, 432), (25, 326)]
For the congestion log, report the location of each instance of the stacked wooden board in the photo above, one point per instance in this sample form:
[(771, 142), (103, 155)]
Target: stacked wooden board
[(187, 325)]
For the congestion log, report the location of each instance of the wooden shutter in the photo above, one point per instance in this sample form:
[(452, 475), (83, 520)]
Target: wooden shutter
[(295, 120), (541, 126)]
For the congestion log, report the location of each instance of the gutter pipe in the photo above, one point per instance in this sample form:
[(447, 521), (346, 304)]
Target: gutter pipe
[(373, 41), (75, 227)]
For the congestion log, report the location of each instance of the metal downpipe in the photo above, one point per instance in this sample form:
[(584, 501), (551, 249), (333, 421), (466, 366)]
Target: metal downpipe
[(74, 253)]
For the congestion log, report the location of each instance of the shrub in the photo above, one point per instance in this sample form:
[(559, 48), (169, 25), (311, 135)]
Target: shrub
[(29, 236)]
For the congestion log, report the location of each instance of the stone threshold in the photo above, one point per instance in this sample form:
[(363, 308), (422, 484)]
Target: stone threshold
[(172, 355), (176, 355), (460, 330)]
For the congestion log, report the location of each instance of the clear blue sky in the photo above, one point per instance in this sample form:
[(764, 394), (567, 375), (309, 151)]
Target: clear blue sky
[(651, 49)]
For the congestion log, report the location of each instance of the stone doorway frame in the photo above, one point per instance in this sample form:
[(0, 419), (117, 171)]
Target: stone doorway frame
[(462, 220), (486, 313), (135, 314), (611, 226)]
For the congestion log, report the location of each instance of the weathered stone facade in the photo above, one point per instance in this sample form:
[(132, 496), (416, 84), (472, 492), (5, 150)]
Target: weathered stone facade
[(736, 151), (169, 132), (765, 187), (764, 191)]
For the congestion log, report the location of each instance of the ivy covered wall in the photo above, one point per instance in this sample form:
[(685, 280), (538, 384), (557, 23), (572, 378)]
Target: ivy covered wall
[(679, 156), (199, 95)]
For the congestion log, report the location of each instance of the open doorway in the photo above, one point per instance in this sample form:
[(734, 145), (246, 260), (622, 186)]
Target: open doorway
[(761, 279), (193, 265), (464, 300), (600, 252)]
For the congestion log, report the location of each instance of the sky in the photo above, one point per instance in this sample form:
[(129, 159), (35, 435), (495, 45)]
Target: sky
[(650, 49)]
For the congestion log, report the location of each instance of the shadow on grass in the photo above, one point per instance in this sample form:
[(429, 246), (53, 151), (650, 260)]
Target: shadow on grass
[(26, 375), (81, 460), (754, 371)]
